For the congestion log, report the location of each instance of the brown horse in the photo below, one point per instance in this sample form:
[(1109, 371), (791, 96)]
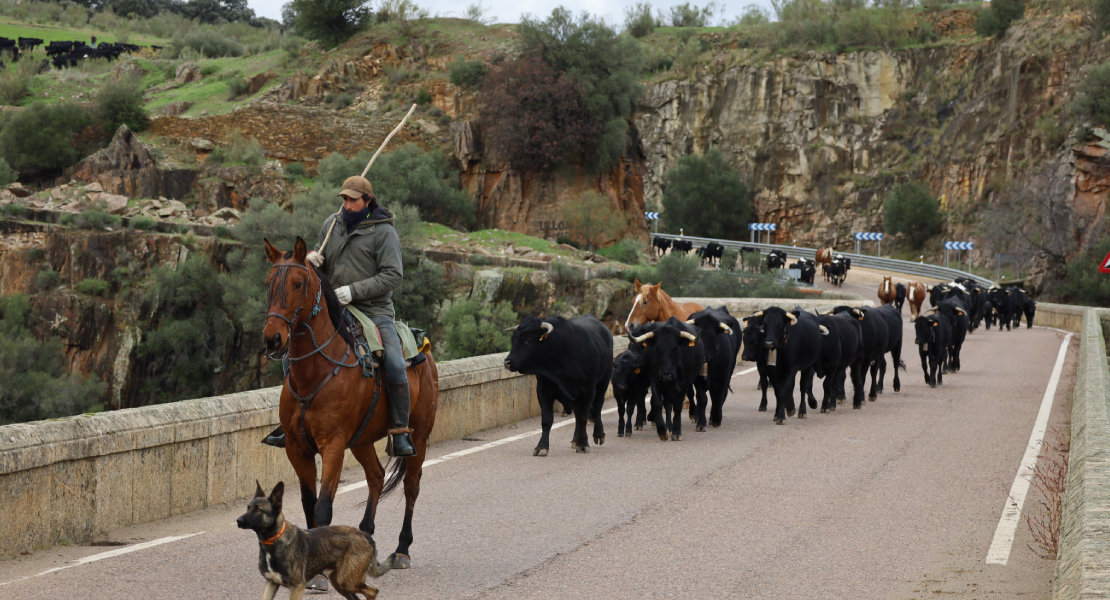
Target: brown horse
[(328, 405), (915, 293), (887, 293), (653, 305), (824, 257)]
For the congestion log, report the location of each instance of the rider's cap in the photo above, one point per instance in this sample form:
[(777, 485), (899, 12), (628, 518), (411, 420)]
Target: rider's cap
[(355, 187)]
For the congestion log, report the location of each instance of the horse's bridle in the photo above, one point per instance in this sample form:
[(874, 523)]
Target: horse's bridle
[(295, 321)]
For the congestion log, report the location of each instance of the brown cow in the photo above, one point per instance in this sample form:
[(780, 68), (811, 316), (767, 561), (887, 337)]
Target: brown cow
[(887, 293), (915, 293), (824, 258)]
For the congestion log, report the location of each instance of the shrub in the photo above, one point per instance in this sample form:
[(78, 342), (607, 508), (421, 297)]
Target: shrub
[(686, 15), (7, 174), (752, 16), (468, 73), (804, 22), (706, 197), (15, 80), (1092, 95), (222, 231), (565, 275), (594, 219), (236, 87), (331, 22), (638, 21), (478, 13), (46, 279), (423, 97), (95, 219), (1084, 284), (15, 210), (473, 329), (629, 252), (209, 43), (995, 20), (238, 150), (38, 140), (36, 385), (120, 102), (193, 334), (209, 70), (912, 210), (93, 287), (683, 276), (295, 170), (403, 14), (1101, 11), (143, 222), (421, 291)]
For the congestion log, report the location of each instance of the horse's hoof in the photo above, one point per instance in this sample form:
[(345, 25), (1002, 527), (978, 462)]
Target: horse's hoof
[(599, 440), (319, 583), (582, 449), (676, 437), (700, 428), (399, 561), (539, 452)]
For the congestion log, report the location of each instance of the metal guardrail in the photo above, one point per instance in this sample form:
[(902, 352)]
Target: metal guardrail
[(858, 260)]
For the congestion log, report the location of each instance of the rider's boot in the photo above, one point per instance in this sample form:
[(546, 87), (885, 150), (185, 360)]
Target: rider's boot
[(399, 407), (277, 436)]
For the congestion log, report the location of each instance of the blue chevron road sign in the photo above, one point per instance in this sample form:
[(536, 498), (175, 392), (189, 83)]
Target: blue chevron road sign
[(959, 245), (651, 216), (763, 226), (868, 237)]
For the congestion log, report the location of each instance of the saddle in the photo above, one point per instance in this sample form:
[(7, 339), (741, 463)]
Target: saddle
[(369, 348)]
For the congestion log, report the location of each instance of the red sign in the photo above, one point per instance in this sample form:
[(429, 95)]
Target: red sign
[(1104, 267)]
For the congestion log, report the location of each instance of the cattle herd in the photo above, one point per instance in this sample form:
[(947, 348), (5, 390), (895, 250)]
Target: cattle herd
[(679, 352), (65, 54)]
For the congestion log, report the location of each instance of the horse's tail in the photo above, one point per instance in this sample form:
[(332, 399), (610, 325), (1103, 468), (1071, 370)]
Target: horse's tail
[(397, 474)]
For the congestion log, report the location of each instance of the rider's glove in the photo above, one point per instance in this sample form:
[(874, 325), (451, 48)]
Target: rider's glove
[(316, 259), (344, 294)]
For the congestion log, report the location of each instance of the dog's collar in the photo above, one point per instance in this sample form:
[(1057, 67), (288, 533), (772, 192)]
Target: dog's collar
[(270, 542)]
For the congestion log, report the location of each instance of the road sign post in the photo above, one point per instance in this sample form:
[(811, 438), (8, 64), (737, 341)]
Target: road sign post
[(869, 237), (958, 247), (753, 228), (653, 216)]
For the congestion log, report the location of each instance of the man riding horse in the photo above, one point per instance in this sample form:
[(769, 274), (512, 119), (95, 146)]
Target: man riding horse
[(363, 262)]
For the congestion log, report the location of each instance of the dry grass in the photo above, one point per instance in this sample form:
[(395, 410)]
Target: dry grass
[(1045, 517)]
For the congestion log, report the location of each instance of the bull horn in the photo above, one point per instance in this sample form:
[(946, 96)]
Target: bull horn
[(858, 313), (688, 335), (725, 327), (510, 328), (757, 314), (824, 330), (793, 319), (644, 337), (690, 322), (548, 327)]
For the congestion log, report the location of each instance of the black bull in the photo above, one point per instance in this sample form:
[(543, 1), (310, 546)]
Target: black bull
[(882, 333), (674, 358), (792, 344), (572, 360), (720, 334)]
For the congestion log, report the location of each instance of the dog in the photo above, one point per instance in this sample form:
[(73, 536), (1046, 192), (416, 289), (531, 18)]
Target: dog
[(290, 556)]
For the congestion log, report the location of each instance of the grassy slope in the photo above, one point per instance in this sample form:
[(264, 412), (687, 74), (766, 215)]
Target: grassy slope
[(50, 33), (210, 93)]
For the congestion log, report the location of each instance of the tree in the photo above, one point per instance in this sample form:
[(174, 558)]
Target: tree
[(994, 21), (534, 116), (912, 210), (330, 21), (39, 140), (217, 11), (471, 328), (603, 65), (120, 102), (687, 15), (593, 218), (706, 197), (1092, 95), (638, 20)]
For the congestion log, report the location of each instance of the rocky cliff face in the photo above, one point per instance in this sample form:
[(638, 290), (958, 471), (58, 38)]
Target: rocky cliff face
[(824, 136)]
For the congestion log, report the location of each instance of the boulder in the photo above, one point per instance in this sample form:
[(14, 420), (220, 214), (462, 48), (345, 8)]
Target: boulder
[(113, 203), (128, 167), (174, 109), (227, 213), (201, 144), (17, 190), (187, 73), (256, 83)]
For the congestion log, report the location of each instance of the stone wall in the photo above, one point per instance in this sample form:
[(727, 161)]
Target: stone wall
[(75, 479)]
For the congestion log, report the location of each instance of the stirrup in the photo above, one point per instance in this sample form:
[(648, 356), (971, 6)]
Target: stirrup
[(399, 444), (276, 438)]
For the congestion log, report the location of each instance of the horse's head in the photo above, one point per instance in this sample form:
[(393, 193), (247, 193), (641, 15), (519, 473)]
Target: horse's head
[(647, 307), (291, 295)]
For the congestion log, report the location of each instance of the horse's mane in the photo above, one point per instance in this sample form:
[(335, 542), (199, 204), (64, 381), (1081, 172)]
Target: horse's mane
[(335, 309)]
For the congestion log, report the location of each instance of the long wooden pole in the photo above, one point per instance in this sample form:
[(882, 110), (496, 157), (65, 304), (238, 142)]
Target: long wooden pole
[(364, 171)]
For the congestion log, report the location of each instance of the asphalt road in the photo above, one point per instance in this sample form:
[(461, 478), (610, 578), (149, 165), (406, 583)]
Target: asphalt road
[(898, 500)]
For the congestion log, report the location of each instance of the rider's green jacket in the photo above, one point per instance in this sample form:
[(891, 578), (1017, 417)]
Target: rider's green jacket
[(368, 259)]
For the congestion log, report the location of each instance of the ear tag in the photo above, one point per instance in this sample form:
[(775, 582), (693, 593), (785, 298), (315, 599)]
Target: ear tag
[(637, 371), (935, 323), (543, 337), (692, 344)]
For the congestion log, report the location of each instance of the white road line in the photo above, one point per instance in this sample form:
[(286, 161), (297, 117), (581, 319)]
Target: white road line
[(745, 372), (110, 554), (999, 553), (489, 445)]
